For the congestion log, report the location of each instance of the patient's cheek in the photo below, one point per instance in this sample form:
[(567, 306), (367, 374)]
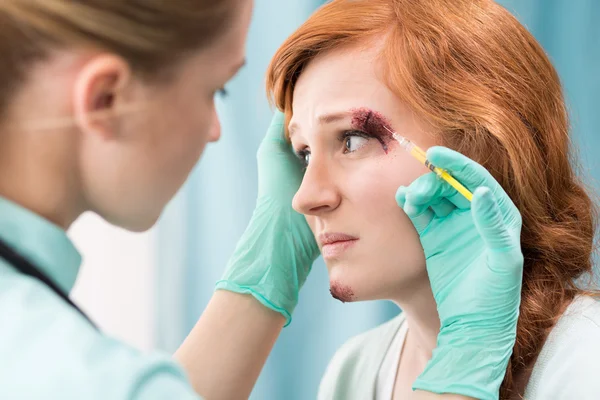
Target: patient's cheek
[(311, 221), (375, 181), (406, 168)]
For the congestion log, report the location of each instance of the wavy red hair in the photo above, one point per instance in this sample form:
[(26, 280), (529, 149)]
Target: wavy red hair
[(490, 92)]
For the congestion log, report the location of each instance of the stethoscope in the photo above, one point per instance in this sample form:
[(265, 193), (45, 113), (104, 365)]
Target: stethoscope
[(25, 267)]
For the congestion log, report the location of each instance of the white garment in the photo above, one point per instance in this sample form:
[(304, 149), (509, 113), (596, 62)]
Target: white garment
[(566, 368), (386, 377)]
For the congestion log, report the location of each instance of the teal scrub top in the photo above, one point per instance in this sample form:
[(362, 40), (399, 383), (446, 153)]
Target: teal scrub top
[(48, 350)]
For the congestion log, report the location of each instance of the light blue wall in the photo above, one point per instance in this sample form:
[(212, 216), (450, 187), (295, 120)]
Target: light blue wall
[(569, 31), (201, 226)]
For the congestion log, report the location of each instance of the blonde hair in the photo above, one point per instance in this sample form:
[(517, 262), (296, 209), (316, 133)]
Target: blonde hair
[(486, 85), (151, 35)]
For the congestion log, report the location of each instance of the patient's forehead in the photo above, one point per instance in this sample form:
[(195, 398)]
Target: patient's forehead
[(339, 80), (341, 71)]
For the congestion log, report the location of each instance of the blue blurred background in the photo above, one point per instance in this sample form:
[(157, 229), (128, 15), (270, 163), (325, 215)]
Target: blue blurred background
[(201, 226)]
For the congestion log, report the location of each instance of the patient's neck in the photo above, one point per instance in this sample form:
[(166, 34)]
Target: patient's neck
[(420, 311)]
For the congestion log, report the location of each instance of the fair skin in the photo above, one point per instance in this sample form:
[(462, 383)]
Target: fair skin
[(114, 144), (349, 188)]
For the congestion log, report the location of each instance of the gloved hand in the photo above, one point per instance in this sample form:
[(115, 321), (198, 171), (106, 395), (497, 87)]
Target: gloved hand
[(475, 268), (275, 254)]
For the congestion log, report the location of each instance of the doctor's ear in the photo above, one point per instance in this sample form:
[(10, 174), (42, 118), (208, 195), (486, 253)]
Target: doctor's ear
[(97, 92)]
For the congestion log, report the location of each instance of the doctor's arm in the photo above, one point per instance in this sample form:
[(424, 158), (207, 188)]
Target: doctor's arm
[(225, 352), (228, 347)]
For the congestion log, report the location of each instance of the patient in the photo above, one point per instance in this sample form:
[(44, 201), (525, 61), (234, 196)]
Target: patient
[(462, 74)]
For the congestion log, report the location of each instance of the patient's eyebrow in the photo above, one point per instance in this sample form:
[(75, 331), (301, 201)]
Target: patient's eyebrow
[(323, 119)]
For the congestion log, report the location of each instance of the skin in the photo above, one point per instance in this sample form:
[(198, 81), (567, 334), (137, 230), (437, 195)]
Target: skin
[(349, 187), (119, 146)]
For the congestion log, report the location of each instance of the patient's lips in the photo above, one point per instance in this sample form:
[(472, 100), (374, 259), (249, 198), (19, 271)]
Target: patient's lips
[(334, 244)]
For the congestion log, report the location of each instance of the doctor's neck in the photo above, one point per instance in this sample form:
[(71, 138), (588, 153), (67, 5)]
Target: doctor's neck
[(36, 178), (38, 167)]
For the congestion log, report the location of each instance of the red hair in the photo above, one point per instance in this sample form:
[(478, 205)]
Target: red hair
[(490, 92)]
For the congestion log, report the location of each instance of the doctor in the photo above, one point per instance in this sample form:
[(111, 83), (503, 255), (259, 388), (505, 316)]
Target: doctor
[(106, 106)]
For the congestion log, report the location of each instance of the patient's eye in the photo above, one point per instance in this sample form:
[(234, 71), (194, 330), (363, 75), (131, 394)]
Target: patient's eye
[(304, 156), (354, 140)]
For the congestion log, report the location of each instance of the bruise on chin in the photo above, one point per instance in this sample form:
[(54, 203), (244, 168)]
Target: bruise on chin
[(343, 293)]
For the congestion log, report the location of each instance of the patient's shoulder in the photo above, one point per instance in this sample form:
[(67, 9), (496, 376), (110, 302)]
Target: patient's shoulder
[(579, 324), (352, 371), (566, 365)]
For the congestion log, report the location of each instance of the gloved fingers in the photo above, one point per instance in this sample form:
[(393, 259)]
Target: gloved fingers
[(276, 129), (490, 223), (465, 170), (505, 258), (473, 175), (458, 200), (431, 189), (428, 189), (274, 141), (276, 152), (443, 208), (421, 215), (401, 196), (424, 199)]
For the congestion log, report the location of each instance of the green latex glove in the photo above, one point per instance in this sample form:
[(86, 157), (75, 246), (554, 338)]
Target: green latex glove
[(475, 267), (276, 252)]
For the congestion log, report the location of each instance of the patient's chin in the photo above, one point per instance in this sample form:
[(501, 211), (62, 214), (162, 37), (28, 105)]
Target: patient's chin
[(341, 292)]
